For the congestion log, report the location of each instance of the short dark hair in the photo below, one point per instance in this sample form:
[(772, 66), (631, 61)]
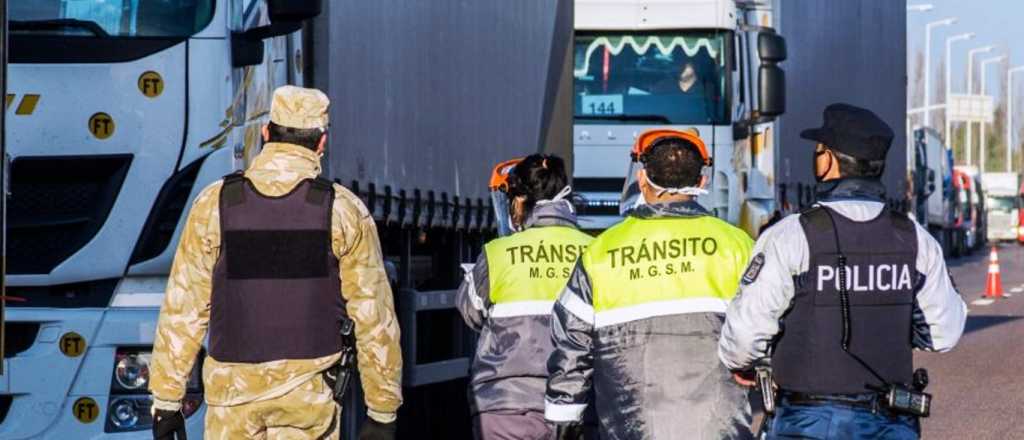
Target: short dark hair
[(850, 166), (305, 137), (538, 177), (673, 163)]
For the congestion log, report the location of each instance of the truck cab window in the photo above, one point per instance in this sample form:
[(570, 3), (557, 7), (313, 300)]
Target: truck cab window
[(110, 18), (677, 79)]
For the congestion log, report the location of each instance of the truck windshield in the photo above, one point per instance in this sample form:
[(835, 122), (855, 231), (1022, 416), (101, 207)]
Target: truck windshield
[(1001, 203), (659, 78), (109, 18)]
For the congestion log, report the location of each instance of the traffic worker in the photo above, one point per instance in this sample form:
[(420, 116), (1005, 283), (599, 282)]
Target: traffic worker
[(639, 319), (842, 293), (269, 262), (509, 293)]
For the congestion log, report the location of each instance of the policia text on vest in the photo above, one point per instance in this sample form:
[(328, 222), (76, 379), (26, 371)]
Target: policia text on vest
[(867, 278)]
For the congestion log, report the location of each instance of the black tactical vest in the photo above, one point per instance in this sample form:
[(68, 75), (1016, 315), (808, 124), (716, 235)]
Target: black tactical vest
[(882, 280), (276, 291)]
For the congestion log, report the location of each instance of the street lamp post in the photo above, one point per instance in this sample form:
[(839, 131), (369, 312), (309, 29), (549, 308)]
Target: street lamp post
[(948, 135), (984, 126), (970, 91), (927, 62), (1009, 116)]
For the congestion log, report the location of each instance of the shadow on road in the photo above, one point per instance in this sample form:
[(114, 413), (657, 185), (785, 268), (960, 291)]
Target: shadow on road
[(975, 323)]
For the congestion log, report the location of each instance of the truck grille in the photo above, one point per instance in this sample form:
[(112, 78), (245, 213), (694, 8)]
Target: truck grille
[(56, 205)]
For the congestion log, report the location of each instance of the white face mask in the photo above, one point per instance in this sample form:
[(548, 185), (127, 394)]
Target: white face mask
[(559, 198)]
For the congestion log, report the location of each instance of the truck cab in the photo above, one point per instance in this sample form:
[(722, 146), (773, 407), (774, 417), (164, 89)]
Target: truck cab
[(1002, 202), (933, 186), (118, 114), (709, 65)]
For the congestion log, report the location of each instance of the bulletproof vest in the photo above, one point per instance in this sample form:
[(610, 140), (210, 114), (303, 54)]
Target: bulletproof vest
[(881, 279), (276, 291)]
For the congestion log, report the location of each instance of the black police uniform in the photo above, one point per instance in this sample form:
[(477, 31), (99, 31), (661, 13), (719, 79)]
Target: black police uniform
[(900, 297)]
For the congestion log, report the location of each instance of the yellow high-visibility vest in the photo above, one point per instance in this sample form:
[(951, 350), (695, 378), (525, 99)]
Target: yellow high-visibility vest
[(643, 268), (528, 270)]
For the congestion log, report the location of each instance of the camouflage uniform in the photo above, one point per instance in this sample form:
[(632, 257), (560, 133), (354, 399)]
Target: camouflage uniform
[(248, 400)]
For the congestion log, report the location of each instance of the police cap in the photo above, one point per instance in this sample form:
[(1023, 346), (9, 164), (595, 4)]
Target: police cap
[(854, 131)]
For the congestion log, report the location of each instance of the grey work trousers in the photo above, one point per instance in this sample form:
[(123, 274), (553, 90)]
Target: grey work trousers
[(516, 425)]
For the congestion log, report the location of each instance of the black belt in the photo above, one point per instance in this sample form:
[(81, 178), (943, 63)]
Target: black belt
[(866, 401)]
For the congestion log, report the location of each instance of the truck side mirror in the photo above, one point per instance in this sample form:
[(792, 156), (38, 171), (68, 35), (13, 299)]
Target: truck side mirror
[(286, 16), (293, 10), (771, 90), (771, 47), (771, 80)]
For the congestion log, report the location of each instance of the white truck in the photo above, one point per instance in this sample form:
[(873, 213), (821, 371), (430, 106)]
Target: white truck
[(1002, 201), (118, 113), (707, 64), (937, 206)]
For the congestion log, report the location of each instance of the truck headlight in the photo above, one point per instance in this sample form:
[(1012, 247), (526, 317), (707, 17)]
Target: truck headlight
[(130, 402), (131, 372), (127, 412)]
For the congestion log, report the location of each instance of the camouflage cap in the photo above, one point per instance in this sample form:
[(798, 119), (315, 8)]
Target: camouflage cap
[(298, 107)]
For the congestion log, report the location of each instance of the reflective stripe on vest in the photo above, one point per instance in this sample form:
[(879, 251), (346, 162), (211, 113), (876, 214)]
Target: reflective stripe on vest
[(528, 270), (642, 268)]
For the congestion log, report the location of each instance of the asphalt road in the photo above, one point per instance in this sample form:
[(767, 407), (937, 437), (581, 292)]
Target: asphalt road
[(978, 387)]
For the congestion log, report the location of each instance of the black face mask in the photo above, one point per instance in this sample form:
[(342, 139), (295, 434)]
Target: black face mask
[(814, 161)]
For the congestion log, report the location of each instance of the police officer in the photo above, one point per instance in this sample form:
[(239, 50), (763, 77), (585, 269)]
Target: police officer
[(508, 297), (843, 292), (259, 266), (639, 319)]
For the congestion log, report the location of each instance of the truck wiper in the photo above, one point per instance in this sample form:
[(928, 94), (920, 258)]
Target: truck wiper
[(646, 118), (59, 23)]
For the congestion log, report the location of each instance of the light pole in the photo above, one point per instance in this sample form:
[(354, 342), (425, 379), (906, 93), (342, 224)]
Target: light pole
[(928, 65), (970, 91), (949, 88), (984, 126), (1009, 116)]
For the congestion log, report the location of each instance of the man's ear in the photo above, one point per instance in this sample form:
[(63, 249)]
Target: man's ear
[(703, 183), (265, 131), (641, 179), (322, 145)]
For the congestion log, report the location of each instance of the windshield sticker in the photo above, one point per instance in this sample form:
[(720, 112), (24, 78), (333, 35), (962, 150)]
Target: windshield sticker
[(665, 48), (602, 104)]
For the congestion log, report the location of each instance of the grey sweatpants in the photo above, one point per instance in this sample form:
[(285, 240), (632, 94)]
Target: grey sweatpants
[(512, 426)]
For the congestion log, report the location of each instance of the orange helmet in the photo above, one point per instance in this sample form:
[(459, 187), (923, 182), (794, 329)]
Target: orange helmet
[(649, 138), (499, 176)]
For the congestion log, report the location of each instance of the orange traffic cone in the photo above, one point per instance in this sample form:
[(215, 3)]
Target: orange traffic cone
[(994, 283)]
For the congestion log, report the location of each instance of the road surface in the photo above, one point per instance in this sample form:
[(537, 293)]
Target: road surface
[(978, 388)]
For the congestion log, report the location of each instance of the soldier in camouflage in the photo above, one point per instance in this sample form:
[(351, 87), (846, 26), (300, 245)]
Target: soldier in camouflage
[(259, 267)]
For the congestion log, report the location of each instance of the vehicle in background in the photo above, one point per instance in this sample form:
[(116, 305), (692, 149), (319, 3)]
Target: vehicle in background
[(965, 213), (117, 117), (976, 235), (935, 194), (711, 65), (433, 95), (1003, 204)]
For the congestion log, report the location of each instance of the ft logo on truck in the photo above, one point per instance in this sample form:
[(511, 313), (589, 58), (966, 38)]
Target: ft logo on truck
[(101, 125), (85, 410), (72, 344), (151, 84)]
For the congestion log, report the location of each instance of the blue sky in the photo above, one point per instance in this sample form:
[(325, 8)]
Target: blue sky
[(996, 22)]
